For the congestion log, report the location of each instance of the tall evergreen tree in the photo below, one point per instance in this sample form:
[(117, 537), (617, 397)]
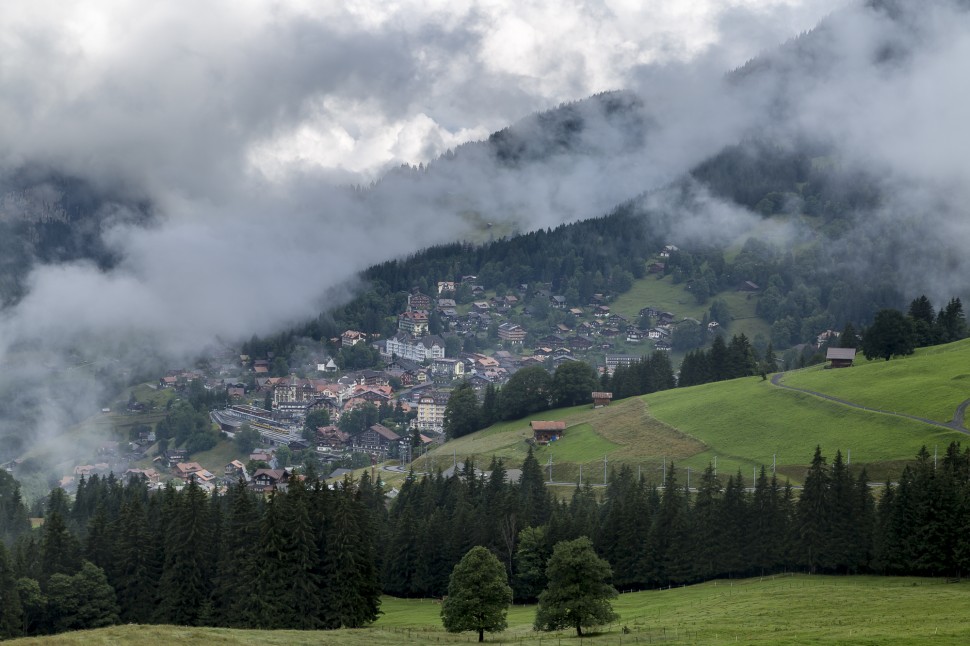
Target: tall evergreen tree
[(812, 515), (351, 598), (135, 569), (533, 496), (238, 595), (185, 580), (11, 611)]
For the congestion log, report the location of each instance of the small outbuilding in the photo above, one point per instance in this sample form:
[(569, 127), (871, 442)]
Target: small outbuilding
[(840, 357), (544, 432), (602, 399)]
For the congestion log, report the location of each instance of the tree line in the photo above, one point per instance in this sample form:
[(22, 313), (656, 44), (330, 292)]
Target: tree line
[(534, 389), (315, 557), (305, 558)]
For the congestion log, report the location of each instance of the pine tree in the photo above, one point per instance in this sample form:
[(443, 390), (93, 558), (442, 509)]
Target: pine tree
[(533, 496), (735, 548), (705, 549), (60, 552), (11, 612), (237, 595), (812, 515), (185, 580), (531, 557), (135, 569), (841, 521), (299, 561)]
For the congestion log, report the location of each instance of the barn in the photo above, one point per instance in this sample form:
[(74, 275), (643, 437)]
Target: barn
[(840, 357), (544, 432)]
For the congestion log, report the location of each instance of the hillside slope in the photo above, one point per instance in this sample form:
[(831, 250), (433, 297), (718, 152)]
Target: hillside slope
[(743, 424)]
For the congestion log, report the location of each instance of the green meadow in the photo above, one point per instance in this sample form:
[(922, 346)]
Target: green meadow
[(741, 424), (662, 293), (748, 423), (930, 383), (783, 609)]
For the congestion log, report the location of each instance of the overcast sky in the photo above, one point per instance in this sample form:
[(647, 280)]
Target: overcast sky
[(194, 96), (239, 120)]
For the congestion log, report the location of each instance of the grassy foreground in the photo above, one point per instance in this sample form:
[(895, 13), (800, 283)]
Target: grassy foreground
[(777, 610)]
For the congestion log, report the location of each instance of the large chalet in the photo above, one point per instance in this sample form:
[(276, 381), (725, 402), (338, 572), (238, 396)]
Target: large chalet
[(377, 439)]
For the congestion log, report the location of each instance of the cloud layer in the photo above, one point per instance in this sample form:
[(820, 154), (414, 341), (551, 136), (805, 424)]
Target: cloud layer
[(245, 122)]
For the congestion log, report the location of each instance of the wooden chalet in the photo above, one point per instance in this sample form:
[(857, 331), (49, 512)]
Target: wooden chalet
[(544, 432), (377, 439), (601, 399), (331, 438), (268, 479), (235, 469), (840, 357)]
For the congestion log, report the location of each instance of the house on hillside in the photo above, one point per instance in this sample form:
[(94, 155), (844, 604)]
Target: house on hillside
[(840, 357), (601, 399), (544, 432), (269, 479), (331, 438), (377, 439), (235, 470)]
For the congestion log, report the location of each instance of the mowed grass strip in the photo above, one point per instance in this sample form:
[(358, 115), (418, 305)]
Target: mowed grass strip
[(749, 422), (783, 609), (623, 431), (930, 383)]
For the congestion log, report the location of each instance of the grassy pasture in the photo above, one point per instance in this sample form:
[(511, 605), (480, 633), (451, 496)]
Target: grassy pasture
[(789, 609), (930, 383), (747, 422)]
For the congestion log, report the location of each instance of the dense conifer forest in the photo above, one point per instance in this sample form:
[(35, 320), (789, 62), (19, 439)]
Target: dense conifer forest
[(320, 557)]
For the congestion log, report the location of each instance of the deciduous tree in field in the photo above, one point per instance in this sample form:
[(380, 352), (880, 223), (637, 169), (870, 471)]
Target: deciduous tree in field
[(478, 595), (579, 592)]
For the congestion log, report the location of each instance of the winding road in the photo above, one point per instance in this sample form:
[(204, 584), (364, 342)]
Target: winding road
[(956, 424)]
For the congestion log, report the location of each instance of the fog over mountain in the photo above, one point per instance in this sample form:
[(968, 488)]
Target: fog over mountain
[(225, 143)]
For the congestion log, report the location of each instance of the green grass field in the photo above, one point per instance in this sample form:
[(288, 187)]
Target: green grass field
[(664, 294), (797, 609), (930, 383), (748, 422)]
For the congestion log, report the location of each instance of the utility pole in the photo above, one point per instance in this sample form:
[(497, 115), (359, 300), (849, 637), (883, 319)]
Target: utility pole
[(580, 474), (550, 467), (604, 469), (715, 465)]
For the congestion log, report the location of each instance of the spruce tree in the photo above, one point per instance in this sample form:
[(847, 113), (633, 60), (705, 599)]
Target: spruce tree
[(299, 561), (238, 596), (11, 612), (60, 552), (812, 515), (351, 598), (706, 517), (186, 574), (135, 569), (533, 496)]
